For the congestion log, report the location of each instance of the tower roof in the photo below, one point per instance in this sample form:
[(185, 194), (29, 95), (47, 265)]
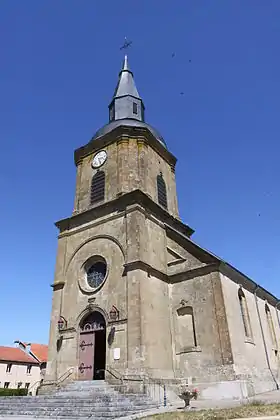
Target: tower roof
[(127, 108), (126, 102), (126, 84)]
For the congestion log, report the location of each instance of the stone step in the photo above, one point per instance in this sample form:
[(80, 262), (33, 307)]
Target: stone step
[(92, 400), (62, 396), (88, 383), (69, 408), (82, 405), (63, 399), (93, 387), (128, 407), (97, 405), (72, 415)]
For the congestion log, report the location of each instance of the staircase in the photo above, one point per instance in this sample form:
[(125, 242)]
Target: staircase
[(84, 399)]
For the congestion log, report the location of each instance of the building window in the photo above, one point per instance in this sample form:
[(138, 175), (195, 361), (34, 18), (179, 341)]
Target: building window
[(161, 190), (270, 326), (97, 192), (112, 113), (27, 384), (6, 384), (9, 367), (19, 385), (28, 370), (135, 110), (244, 314), (96, 269), (143, 113)]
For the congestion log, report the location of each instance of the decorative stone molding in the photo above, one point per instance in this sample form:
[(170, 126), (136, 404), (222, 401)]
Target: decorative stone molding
[(89, 309), (58, 285), (93, 238), (91, 300), (190, 349), (136, 265)]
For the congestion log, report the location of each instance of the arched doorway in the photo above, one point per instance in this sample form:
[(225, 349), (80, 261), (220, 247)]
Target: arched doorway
[(92, 347)]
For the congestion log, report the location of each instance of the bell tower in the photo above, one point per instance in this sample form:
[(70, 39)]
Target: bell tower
[(125, 155), (111, 277)]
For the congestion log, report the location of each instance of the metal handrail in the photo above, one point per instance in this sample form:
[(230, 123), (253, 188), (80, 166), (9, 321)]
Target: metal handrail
[(68, 372), (35, 383), (116, 375)]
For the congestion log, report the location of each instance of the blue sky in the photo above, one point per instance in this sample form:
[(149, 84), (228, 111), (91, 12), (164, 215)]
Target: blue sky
[(59, 66)]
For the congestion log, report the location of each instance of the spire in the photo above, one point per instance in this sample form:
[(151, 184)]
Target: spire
[(126, 102), (125, 64)]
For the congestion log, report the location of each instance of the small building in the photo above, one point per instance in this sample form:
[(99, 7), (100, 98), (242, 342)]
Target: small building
[(38, 351), (19, 369)]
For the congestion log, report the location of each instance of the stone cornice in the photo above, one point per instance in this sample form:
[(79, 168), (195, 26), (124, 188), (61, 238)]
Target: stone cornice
[(58, 285), (125, 132), (141, 265), (117, 322), (67, 330), (193, 273), (217, 264), (193, 248), (248, 284), (119, 205)]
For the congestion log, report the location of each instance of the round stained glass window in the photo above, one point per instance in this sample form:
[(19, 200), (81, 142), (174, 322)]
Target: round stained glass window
[(96, 274)]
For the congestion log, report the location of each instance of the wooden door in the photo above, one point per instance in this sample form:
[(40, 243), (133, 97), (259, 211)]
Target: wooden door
[(86, 355)]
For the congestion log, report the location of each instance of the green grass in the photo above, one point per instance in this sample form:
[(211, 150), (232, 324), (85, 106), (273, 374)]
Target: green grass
[(255, 409)]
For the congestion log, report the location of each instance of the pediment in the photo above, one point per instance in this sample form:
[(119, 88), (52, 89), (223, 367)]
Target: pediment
[(173, 257), (179, 259), (184, 255)]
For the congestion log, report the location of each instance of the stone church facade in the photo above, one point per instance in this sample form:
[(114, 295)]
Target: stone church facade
[(133, 295)]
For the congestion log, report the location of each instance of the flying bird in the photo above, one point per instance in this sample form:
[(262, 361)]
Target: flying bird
[(126, 44)]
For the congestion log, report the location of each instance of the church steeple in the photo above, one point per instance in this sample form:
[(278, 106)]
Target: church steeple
[(126, 102)]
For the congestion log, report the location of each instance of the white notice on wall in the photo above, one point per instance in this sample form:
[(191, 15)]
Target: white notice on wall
[(117, 353)]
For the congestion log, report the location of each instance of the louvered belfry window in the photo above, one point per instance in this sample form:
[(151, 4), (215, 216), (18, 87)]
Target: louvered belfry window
[(97, 191), (161, 187)]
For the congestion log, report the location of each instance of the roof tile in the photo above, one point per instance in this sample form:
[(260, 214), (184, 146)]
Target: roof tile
[(15, 354)]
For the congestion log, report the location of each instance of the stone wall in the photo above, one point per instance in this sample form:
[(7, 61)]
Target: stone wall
[(208, 357), (179, 318), (18, 374), (250, 358), (131, 164)]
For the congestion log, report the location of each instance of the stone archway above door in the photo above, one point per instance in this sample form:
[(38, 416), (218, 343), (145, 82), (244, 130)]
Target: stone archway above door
[(92, 347)]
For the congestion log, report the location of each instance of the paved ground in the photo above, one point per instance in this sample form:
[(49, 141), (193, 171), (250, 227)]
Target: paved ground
[(267, 398)]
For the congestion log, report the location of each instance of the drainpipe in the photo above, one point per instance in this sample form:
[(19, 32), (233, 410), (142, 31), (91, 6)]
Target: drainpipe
[(277, 312), (278, 318), (262, 332)]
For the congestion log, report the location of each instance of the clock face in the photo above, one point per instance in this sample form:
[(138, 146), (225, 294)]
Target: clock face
[(99, 159)]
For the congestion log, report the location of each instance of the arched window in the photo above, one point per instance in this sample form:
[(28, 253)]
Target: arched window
[(161, 190), (271, 326), (97, 191), (244, 313)]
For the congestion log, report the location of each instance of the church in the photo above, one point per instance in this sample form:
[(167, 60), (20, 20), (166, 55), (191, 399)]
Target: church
[(133, 294)]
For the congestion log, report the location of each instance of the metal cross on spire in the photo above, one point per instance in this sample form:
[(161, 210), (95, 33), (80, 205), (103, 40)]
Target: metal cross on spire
[(126, 44)]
